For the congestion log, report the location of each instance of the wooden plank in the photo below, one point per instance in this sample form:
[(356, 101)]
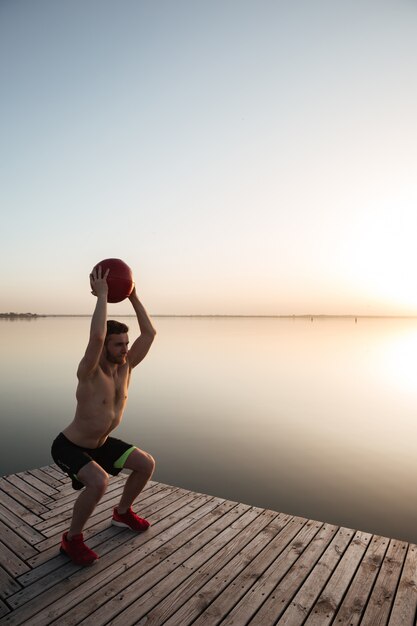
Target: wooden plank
[(165, 566), (50, 549), (203, 561), (301, 604), (329, 600), (81, 598), (219, 594), (22, 497), (97, 521), (20, 527), (281, 596), (4, 609), (11, 562), (202, 581), (16, 543), (10, 505), (160, 502), (112, 564), (102, 512), (182, 583), (56, 559), (356, 598), (62, 508), (60, 517), (251, 602), (279, 542), (67, 495), (24, 486), (67, 568), (405, 604), (47, 478), (57, 474), (52, 559), (37, 484), (381, 600), (8, 584)]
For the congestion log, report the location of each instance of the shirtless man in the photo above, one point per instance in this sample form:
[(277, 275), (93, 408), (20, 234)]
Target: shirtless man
[(84, 450)]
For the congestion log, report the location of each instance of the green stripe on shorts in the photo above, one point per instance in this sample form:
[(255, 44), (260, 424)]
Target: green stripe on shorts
[(122, 459)]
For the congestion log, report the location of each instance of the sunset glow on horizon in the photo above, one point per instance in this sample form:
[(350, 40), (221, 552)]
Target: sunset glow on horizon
[(248, 158)]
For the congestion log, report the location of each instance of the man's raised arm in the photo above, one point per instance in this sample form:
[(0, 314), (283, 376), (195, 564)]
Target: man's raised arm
[(91, 358), (141, 346)]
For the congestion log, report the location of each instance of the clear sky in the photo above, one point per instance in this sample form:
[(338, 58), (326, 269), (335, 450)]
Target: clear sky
[(242, 156)]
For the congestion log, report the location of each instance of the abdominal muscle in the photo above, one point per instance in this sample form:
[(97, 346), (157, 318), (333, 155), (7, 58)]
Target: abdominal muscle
[(90, 431), (99, 411)]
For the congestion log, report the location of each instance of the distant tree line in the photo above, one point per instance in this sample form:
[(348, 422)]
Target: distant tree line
[(25, 315)]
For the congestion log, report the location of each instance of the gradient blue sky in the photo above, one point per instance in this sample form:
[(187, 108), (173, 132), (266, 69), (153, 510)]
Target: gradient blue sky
[(248, 157)]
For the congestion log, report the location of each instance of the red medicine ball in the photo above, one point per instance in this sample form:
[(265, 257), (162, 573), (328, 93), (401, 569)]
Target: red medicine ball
[(119, 279)]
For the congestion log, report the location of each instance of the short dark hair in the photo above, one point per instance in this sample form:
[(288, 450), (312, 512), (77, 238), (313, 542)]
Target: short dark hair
[(116, 328)]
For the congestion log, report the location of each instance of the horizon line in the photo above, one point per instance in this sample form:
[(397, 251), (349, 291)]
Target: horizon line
[(224, 315)]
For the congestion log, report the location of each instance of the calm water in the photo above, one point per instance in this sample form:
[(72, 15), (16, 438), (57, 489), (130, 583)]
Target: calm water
[(315, 418)]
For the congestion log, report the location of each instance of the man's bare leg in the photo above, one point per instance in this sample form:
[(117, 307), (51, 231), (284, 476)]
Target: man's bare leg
[(142, 466), (95, 480)]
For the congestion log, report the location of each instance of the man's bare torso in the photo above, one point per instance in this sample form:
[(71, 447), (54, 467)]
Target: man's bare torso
[(101, 399)]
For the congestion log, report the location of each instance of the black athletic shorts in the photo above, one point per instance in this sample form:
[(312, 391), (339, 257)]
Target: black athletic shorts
[(111, 456)]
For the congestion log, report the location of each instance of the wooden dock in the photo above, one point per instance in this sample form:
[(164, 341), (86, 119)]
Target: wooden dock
[(205, 560)]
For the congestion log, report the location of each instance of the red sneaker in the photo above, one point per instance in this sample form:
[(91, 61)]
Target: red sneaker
[(129, 520), (78, 552)]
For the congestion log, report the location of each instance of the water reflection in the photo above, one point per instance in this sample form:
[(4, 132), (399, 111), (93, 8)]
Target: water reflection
[(315, 419)]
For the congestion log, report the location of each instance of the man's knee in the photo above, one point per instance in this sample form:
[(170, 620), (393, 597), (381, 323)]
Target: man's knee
[(142, 462), (147, 464), (151, 464), (94, 477)]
